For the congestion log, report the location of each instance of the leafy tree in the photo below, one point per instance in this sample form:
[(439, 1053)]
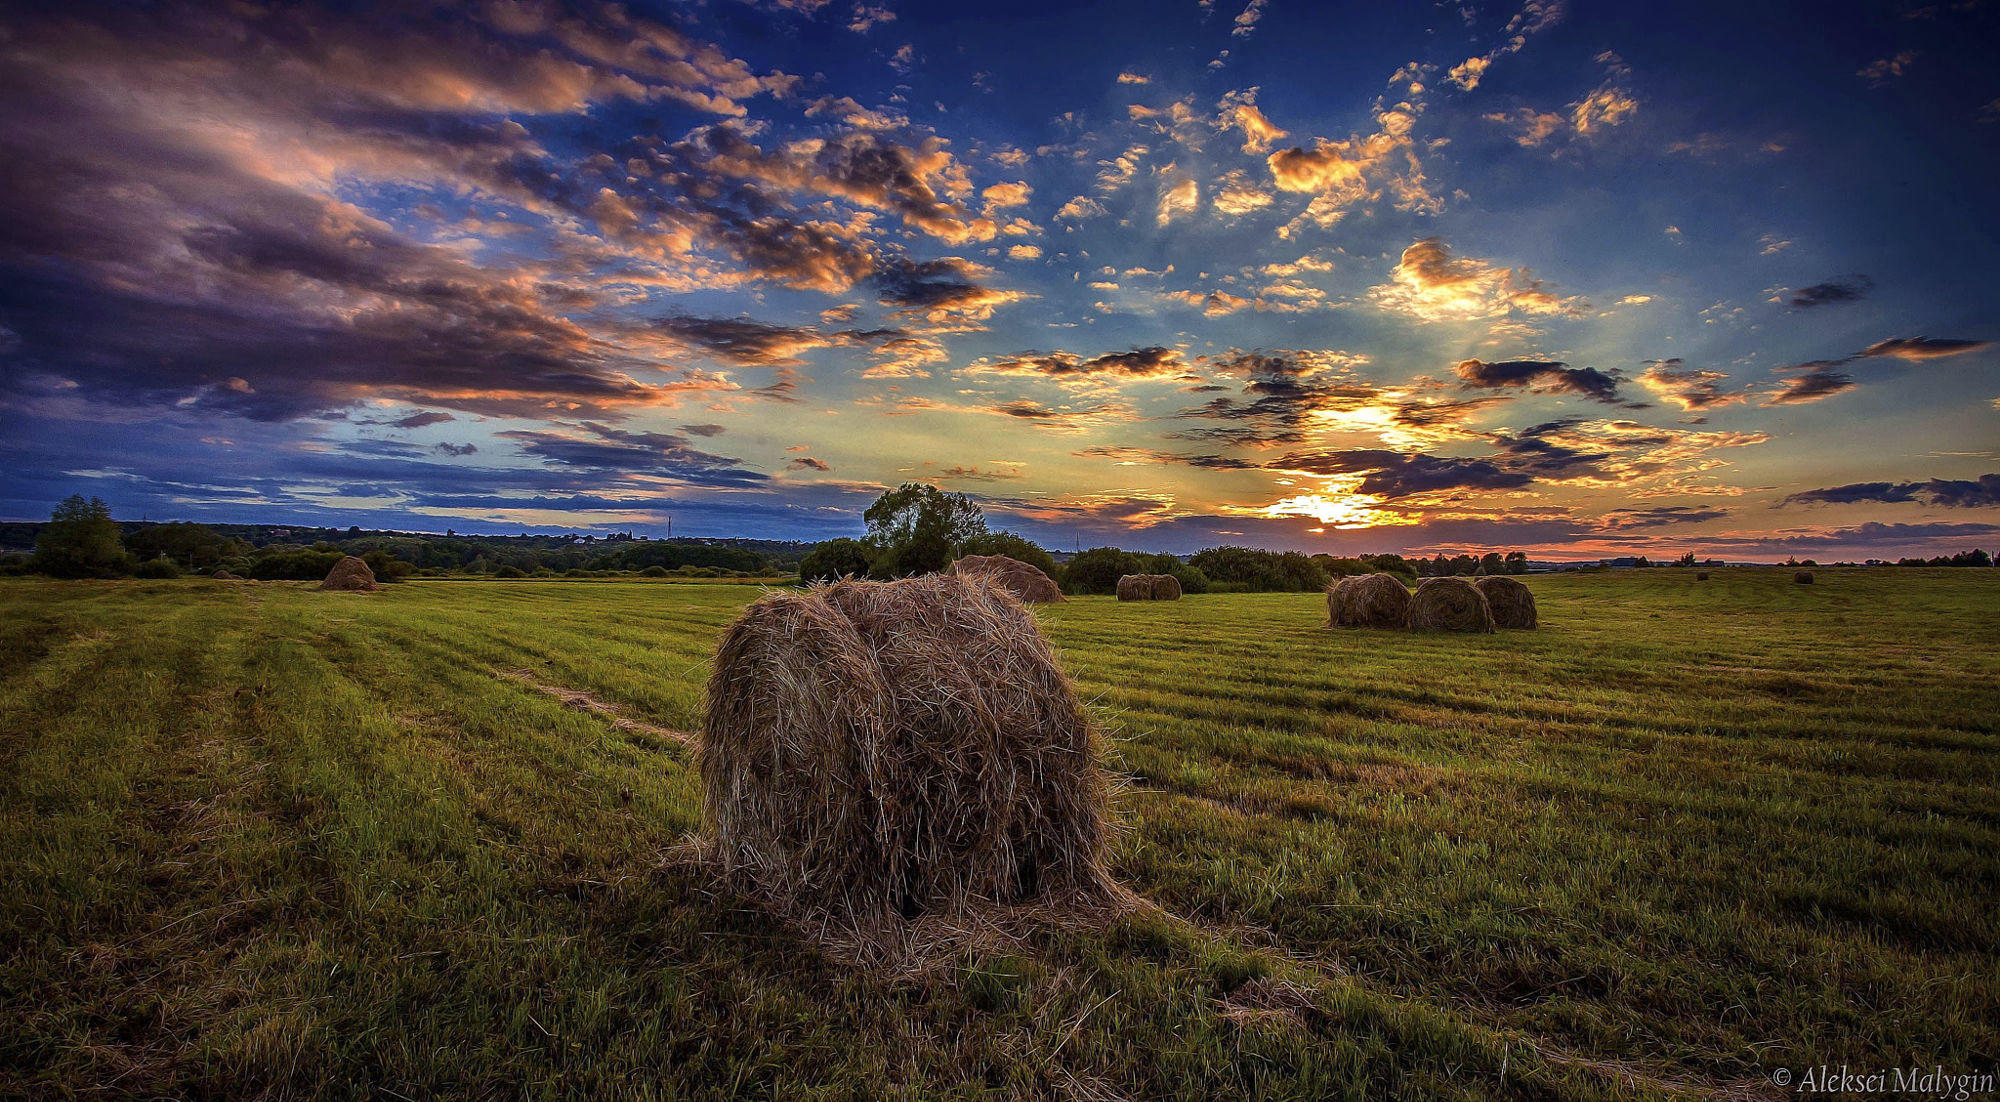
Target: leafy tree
[(387, 567), (918, 529), (1517, 562), (836, 559), (194, 546), (81, 541), (157, 568), (1247, 568), (303, 564), (1491, 563), (1012, 546), (1098, 570)]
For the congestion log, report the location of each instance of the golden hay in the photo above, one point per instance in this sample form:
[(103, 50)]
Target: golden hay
[(875, 754), (1512, 602), (1803, 577), (1135, 587), (1449, 604), (225, 576), (349, 574), (1166, 587), (1368, 601), (1016, 577)]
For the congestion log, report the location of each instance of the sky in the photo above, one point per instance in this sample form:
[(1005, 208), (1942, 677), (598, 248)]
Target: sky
[(1580, 279)]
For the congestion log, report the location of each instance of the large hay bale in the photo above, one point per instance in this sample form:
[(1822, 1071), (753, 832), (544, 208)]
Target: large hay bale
[(1135, 587), (1449, 604), (1166, 587), (873, 752), (350, 574), (1512, 602), (1803, 577), (1368, 601), (1016, 577)]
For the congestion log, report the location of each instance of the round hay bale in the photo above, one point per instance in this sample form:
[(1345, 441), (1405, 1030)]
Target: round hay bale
[(1016, 577), (350, 575), (1512, 602), (1135, 587), (1701, 575), (1803, 577), (1166, 587), (1449, 604), (1368, 601), (873, 752), (225, 576)]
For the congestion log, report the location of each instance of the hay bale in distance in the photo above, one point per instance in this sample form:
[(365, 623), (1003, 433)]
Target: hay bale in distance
[(873, 752), (1701, 575), (1166, 587), (222, 575), (349, 575), (1512, 602), (1135, 587), (1449, 604), (1368, 601), (1016, 577), (1803, 577)]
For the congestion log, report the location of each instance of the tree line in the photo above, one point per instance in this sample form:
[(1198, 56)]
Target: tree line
[(82, 540)]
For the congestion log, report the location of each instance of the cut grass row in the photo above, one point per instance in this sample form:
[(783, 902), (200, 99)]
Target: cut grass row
[(262, 839)]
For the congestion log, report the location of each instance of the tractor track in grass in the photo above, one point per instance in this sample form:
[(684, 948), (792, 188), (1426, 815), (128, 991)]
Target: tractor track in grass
[(585, 702)]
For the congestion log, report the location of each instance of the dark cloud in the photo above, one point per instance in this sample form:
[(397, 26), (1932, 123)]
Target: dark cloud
[(1817, 379), (1811, 385), (1624, 520), (1833, 292), (1285, 388), (1392, 475), (1128, 454), (742, 340), (419, 420), (1153, 362), (703, 430), (1921, 348), (1543, 376), (807, 463), (1980, 492), (455, 449), (941, 290), (600, 447)]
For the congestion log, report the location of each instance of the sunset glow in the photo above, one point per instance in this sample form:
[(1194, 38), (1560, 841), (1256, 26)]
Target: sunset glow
[(1396, 278)]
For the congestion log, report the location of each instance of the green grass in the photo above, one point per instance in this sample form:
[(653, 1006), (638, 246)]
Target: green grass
[(262, 840)]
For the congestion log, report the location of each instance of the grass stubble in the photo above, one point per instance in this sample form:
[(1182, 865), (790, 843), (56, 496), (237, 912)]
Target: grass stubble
[(264, 841)]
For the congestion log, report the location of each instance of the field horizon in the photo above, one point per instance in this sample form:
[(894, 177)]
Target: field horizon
[(267, 841)]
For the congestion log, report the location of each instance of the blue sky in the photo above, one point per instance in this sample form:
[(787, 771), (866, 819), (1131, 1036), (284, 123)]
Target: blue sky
[(1580, 279)]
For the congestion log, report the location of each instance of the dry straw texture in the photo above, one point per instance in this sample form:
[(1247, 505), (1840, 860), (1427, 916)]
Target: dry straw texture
[(876, 754), (1701, 575), (1803, 577), (1017, 577), (349, 574), (1449, 604), (1368, 601), (226, 576), (1149, 587), (1512, 602)]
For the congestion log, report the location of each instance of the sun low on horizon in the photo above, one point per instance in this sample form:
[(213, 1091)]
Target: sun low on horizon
[(1590, 280)]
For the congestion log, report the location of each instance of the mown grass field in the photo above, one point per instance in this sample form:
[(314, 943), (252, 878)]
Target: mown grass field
[(258, 840)]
